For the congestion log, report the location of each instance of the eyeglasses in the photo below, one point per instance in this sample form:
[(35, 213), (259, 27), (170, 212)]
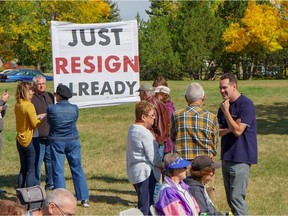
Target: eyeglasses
[(152, 116), (61, 210), (39, 84)]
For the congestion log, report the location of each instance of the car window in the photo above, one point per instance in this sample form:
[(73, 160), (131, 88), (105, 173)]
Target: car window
[(22, 73), (29, 73), (13, 72)]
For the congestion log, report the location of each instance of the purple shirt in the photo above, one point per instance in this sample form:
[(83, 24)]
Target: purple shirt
[(242, 149)]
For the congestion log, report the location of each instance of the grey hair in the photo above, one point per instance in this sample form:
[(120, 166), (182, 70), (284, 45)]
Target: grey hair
[(194, 92), (168, 158), (58, 196), (37, 77)]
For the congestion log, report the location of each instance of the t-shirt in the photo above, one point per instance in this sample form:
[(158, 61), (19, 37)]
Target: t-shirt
[(242, 149)]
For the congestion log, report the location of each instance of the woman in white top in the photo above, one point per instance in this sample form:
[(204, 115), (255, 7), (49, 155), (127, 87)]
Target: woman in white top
[(143, 161)]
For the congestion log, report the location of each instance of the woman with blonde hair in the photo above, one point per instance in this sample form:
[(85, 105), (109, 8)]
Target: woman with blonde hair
[(26, 123)]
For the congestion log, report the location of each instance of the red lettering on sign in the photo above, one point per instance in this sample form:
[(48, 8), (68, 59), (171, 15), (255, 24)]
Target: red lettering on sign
[(96, 64)]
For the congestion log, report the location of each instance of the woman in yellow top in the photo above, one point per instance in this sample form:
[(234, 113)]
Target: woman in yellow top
[(26, 122)]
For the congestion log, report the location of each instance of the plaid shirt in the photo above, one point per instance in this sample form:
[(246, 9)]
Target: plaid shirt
[(195, 131)]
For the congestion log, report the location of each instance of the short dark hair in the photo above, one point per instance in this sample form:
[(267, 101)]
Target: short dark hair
[(232, 78)]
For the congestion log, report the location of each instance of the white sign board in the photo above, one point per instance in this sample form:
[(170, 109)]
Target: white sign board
[(98, 62)]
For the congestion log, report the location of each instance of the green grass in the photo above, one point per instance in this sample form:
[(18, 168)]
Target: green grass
[(103, 139)]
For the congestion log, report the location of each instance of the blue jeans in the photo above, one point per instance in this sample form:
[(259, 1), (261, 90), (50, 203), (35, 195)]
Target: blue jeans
[(145, 192), (44, 154), (27, 155), (236, 176), (72, 150)]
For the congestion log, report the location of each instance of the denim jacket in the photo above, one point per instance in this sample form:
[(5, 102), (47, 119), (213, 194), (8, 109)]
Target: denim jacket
[(62, 118)]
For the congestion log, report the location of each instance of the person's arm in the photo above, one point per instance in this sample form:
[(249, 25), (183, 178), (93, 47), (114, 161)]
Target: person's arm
[(151, 149), (172, 128), (234, 126), (215, 135), (223, 131), (32, 116), (3, 101)]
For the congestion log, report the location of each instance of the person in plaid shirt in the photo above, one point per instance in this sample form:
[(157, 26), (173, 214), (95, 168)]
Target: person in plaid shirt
[(194, 130)]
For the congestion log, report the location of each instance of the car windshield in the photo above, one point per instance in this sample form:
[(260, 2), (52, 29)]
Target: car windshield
[(14, 72)]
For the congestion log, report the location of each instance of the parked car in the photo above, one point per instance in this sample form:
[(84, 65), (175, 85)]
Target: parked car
[(19, 75), (5, 71)]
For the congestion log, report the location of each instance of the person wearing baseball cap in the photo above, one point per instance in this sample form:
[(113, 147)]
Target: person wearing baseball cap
[(202, 170), (64, 140), (174, 197)]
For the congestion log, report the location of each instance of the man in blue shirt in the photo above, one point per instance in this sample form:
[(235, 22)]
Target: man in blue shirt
[(237, 123)]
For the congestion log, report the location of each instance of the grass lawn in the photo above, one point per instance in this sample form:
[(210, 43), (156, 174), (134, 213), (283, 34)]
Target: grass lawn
[(103, 138)]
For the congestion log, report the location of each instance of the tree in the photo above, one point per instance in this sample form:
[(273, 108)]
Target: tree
[(261, 30), (25, 25), (114, 15), (157, 57), (198, 36), (162, 8)]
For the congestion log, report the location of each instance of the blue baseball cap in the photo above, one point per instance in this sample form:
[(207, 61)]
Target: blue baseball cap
[(177, 164)]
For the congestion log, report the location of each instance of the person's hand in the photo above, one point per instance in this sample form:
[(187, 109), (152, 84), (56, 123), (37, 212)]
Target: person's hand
[(4, 107), (5, 96), (225, 105), (41, 116)]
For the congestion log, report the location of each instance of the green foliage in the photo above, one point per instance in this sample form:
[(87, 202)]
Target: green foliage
[(162, 8), (25, 26), (231, 11), (198, 37), (114, 14), (157, 57)]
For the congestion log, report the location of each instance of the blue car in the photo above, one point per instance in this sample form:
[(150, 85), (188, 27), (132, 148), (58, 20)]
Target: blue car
[(19, 75)]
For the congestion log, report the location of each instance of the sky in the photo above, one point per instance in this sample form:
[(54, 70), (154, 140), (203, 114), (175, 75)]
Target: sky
[(129, 8)]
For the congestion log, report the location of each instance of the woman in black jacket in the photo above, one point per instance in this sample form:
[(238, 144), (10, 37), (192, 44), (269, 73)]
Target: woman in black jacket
[(202, 171)]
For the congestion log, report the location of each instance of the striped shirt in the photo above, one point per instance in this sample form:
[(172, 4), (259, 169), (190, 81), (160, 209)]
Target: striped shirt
[(195, 131)]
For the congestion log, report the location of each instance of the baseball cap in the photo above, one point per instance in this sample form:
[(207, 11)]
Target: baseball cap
[(145, 87), (163, 89), (202, 162), (64, 91), (177, 164)]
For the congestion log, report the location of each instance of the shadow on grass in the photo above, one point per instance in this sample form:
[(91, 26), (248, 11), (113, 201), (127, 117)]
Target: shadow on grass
[(109, 179), (8, 181), (126, 192), (111, 200), (272, 119)]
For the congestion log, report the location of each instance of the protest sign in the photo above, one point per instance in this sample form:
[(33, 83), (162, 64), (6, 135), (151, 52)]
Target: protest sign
[(98, 62)]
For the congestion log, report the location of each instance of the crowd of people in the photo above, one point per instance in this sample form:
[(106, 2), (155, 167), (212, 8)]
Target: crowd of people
[(46, 131), (188, 140), (170, 154)]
